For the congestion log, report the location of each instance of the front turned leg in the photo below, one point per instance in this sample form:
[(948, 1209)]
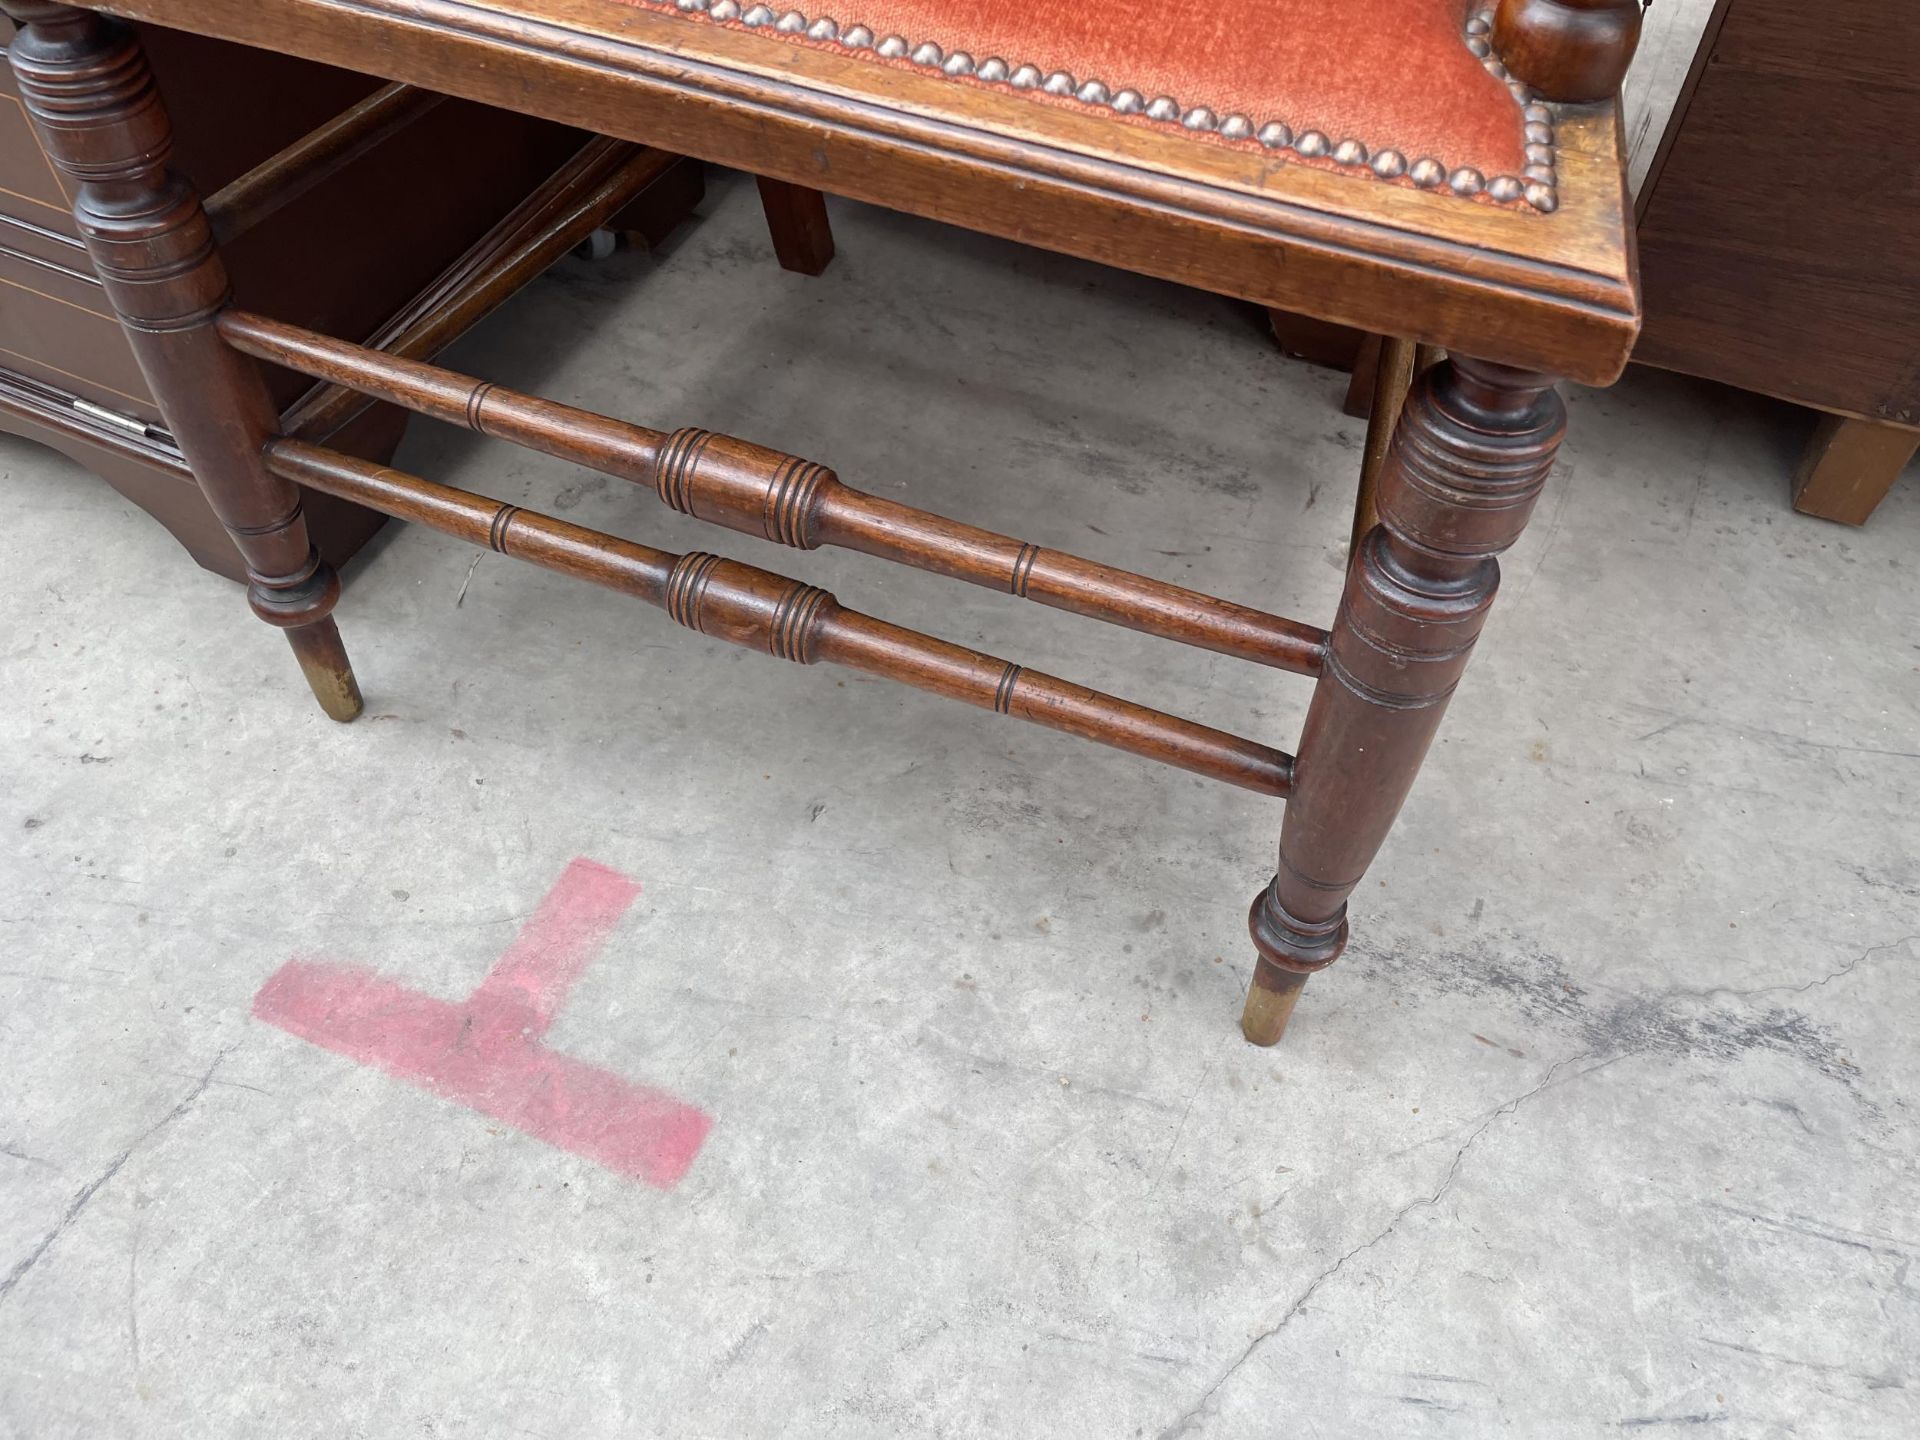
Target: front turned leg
[(86, 84), (1469, 457)]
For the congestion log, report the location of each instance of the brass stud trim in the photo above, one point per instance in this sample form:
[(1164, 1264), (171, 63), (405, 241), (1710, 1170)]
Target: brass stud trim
[(1535, 187)]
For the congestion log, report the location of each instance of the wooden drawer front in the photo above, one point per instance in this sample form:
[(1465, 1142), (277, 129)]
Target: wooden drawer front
[(28, 236), (28, 186), (55, 327), (1776, 245), (57, 276)]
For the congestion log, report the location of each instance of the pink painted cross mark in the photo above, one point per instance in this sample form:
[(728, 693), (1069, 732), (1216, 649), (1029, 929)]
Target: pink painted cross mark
[(486, 1052)]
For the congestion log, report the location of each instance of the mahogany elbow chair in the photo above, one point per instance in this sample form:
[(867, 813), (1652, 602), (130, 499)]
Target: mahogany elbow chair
[(1421, 169)]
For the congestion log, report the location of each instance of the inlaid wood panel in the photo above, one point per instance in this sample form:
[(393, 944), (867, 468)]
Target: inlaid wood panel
[(59, 331), (28, 186)]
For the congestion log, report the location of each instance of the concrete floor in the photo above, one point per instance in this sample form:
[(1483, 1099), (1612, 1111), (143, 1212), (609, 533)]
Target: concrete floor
[(1604, 1123)]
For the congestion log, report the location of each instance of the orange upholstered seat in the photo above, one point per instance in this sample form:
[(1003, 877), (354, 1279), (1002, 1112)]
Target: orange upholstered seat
[(1401, 91)]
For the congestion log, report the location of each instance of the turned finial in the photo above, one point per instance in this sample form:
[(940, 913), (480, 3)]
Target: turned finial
[(1571, 50)]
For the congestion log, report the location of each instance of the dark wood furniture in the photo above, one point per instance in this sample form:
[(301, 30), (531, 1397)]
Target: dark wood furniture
[(1777, 231), (291, 232), (1523, 261)]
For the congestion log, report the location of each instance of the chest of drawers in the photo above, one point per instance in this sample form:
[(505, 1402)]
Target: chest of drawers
[(67, 376)]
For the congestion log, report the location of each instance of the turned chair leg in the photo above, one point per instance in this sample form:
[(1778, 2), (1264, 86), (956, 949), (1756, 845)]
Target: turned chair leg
[(1469, 456), (797, 218), (86, 84)]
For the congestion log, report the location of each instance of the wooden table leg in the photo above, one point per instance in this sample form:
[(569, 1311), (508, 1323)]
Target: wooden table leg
[(91, 96), (797, 217), (664, 205), (1468, 460), (1392, 377), (1849, 466), (1318, 342)]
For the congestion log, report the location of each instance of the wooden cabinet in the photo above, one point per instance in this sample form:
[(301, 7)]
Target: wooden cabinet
[(344, 258), (1778, 230)]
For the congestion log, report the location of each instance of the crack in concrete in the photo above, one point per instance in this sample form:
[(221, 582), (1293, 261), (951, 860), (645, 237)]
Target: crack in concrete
[(1181, 1128), (1888, 1381), (1846, 969), (92, 1187), (1874, 882), (1196, 1413), (1781, 737)]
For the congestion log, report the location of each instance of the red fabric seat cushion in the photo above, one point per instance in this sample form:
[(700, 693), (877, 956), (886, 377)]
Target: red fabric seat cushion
[(1368, 87)]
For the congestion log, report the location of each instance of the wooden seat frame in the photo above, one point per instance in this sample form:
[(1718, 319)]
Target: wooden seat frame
[(1516, 296)]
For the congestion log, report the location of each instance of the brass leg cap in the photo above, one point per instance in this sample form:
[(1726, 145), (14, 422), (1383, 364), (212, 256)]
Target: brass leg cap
[(323, 660), (1270, 1002)]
